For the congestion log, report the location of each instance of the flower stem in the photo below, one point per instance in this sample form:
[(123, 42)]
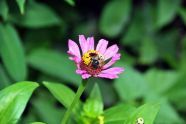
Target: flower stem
[(75, 101)]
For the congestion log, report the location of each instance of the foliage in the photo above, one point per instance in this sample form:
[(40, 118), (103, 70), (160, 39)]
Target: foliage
[(33, 44), (13, 101)]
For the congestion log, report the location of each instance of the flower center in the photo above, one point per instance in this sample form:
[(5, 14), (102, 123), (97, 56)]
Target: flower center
[(92, 62)]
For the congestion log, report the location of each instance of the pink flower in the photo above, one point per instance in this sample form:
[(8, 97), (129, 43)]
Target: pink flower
[(92, 61)]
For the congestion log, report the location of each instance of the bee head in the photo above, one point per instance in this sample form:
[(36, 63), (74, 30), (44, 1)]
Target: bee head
[(95, 63)]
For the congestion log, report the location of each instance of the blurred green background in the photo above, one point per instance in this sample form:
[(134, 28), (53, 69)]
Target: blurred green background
[(151, 35)]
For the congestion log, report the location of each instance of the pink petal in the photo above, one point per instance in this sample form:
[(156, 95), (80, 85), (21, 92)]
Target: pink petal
[(112, 61), (109, 76), (114, 70), (90, 41), (78, 71), (73, 48), (111, 51), (78, 66), (85, 76), (74, 58), (102, 46), (83, 43), (70, 53)]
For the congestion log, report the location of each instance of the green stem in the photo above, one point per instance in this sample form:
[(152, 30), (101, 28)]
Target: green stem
[(75, 101)]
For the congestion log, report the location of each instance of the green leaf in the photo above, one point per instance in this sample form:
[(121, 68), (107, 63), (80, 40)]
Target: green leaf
[(166, 11), (21, 4), (160, 81), (55, 64), (43, 37), (103, 84), (13, 101), (47, 111), (12, 53), (114, 17), (88, 28), (61, 92), (182, 65), (118, 113), (93, 106), (29, 118), (182, 13), (71, 2), (37, 16), (37, 123), (166, 114), (168, 38), (115, 122), (143, 22), (4, 9), (176, 94), (148, 51), (64, 95), (131, 85), (4, 80), (133, 35), (147, 111), (96, 93)]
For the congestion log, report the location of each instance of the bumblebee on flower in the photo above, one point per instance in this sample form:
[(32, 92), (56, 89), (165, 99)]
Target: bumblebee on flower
[(92, 61)]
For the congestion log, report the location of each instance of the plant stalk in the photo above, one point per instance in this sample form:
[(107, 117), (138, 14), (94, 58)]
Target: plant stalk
[(79, 92)]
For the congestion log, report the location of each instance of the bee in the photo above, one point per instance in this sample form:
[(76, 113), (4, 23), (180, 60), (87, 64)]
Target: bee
[(97, 60)]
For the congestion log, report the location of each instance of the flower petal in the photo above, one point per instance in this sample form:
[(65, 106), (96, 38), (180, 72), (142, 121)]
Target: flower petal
[(78, 71), (109, 76), (74, 58), (85, 76), (73, 49), (102, 46), (112, 61), (114, 70), (90, 41), (83, 43), (111, 51)]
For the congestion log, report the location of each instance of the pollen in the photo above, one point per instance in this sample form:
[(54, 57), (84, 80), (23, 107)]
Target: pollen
[(87, 56)]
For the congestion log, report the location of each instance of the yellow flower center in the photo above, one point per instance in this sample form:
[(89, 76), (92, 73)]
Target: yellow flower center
[(92, 62), (87, 56)]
